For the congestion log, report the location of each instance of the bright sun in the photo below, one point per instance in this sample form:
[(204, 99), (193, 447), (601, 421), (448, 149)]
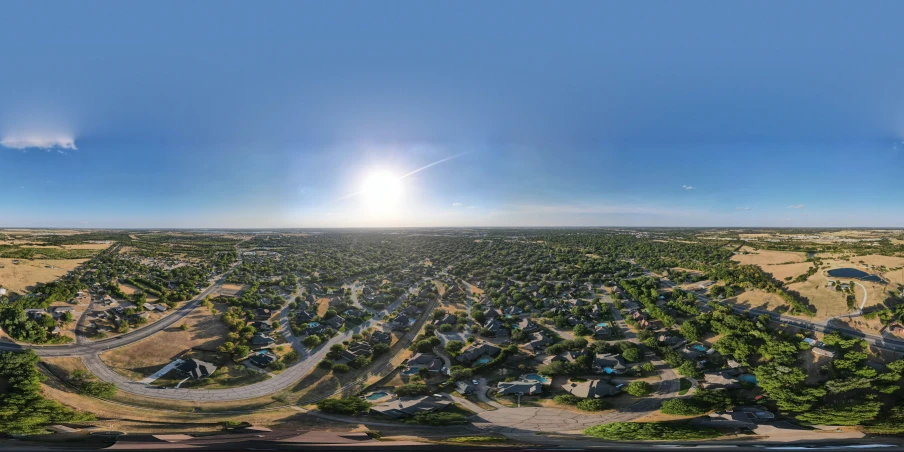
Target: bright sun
[(382, 190)]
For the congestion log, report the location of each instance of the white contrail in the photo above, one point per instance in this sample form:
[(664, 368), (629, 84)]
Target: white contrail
[(351, 195), (434, 163)]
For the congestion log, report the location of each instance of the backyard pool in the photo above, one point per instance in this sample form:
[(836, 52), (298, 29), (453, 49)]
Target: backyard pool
[(609, 370), (749, 378), (314, 324), (376, 395), (603, 324), (483, 360), (536, 377), (698, 347), (409, 371)]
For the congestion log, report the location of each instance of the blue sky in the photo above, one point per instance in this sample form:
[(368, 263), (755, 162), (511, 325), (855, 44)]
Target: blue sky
[(233, 114)]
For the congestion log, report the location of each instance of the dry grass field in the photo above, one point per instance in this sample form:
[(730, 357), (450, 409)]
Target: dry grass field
[(143, 358), (780, 272), (231, 290), (764, 258), (19, 277)]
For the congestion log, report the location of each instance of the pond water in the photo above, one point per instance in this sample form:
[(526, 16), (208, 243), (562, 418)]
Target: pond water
[(376, 395), (853, 273)]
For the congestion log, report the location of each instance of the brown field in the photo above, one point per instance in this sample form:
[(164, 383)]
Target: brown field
[(827, 302), (128, 289), (764, 257), (754, 236), (145, 357), (780, 272), (323, 304), (876, 260), (19, 277), (231, 290)]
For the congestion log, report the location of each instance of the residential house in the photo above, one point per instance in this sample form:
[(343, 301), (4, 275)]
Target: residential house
[(357, 349), (608, 364), (261, 326), (591, 389), (261, 340), (305, 316), (410, 406), (568, 356), (823, 352), (539, 342), (528, 326), (427, 361), (262, 360), (465, 387), (513, 310), (35, 313), (196, 368), (401, 322), (727, 378), (493, 326), (473, 354), (335, 322), (381, 337), (447, 319), (263, 314), (522, 387)]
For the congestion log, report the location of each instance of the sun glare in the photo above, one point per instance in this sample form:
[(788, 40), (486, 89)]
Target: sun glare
[(382, 190)]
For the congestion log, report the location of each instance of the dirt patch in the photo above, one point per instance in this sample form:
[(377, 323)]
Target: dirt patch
[(323, 304), (827, 301), (26, 273), (760, 299), (231, 290), (141, 359)]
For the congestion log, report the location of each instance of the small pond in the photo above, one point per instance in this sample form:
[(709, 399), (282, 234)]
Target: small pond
[(853, 273)]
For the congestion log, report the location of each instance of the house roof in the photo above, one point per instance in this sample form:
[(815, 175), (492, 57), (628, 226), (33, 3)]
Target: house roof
[(591, 389), (410, 406), (528, 387), (196, 368)]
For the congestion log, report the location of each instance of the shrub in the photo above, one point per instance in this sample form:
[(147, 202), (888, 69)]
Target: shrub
[(566, 399), (437, 419), (632, 431), (639, 388), (340, 368), (411, 389), (325, 364), (682, 407), (592, 405), (345, 405)]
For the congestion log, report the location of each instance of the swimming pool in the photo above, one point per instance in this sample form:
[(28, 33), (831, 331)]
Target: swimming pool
[(698, 347), (483, 360), (536, 377), (314, 324), (409, 371), (376, 395), (603, 324), (749, 378), (609, 370)]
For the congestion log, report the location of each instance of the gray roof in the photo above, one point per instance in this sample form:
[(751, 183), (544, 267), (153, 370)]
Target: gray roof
[(410, 406), (526, 387), (591, 389)]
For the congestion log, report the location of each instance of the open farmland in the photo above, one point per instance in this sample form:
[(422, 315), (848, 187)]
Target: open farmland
[(26, 273)]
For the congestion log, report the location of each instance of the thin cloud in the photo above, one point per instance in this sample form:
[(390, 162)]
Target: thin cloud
[(797, 206), (742, 208), (688, 187), (46, 143), (457, 204)]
